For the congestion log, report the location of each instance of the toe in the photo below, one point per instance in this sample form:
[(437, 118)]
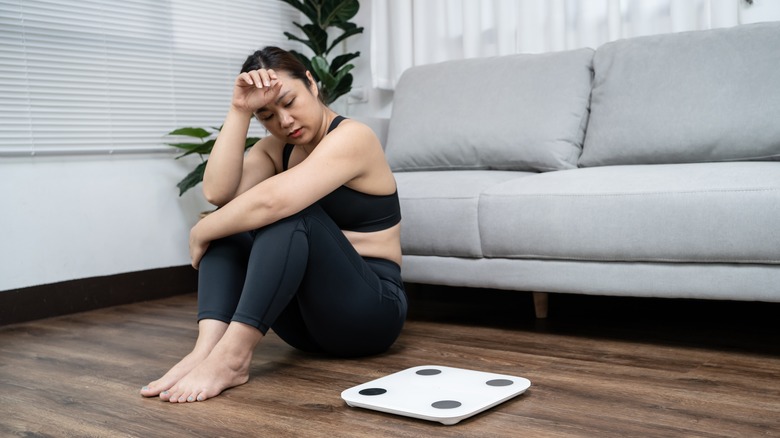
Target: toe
[(178, 397), (149, 391)]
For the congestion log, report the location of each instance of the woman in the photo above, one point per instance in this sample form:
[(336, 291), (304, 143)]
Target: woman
[(306, 240)]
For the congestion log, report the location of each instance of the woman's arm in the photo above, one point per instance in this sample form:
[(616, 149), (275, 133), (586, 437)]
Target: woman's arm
[(225, 166), (344, 155), (226, 172)]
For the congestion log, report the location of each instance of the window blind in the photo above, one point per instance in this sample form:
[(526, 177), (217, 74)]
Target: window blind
[(92, 76)]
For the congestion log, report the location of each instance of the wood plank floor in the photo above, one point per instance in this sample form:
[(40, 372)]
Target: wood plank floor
[(600, 367)]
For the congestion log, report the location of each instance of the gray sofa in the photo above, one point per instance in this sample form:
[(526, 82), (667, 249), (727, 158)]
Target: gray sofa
[(648, 167)]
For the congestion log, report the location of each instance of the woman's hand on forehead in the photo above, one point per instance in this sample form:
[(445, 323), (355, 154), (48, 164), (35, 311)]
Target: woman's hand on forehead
[(255, 89), (259, 78)]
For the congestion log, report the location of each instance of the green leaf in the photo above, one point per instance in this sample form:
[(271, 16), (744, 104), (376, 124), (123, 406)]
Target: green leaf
[(199, 148), (328, 82), (317, 6), (341, 11), (250, 141), (192, 179), (301, 40), (342, 87), (346, 26), (343, 72), (191, 132), (318, 38), (304, 7), (320, 66), (344, 36), (340, 60), (185, 146)]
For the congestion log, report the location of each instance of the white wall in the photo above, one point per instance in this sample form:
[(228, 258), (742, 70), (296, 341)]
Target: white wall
[(77, 217)]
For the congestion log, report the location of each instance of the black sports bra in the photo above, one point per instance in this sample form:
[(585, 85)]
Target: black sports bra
[(353, 210)]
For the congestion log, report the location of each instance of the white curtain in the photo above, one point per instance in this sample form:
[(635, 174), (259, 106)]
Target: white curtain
[(405, 33)]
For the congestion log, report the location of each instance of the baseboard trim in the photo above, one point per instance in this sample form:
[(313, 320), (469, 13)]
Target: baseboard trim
[(48, 300)]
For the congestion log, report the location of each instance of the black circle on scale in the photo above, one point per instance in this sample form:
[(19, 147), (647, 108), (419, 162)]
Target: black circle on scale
[(446, 404), (428, 372), (499, 382), (372, 391)]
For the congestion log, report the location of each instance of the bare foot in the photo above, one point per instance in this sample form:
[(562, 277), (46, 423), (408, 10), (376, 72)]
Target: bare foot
[(226, 366), (209, 379), (210, 332), (173, 375)]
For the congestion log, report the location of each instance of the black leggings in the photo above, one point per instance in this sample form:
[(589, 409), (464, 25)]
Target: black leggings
[(303, 278)]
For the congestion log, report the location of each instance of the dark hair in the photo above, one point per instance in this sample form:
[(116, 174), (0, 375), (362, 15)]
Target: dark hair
[(277, 59)]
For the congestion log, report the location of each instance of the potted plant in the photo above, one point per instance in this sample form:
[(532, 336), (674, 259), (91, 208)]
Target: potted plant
[(333, 77), (202, 142)]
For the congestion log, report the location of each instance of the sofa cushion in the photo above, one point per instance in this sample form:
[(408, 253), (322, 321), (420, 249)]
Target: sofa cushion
[(688, 97), (439, 210), (705, 212), (516, 112)]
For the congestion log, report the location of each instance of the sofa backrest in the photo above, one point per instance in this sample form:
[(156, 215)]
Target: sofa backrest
[(515, 112), (686, 97)]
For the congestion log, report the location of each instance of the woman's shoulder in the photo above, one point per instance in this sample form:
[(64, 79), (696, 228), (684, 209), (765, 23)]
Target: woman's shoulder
[(357, 134), (351, 123)]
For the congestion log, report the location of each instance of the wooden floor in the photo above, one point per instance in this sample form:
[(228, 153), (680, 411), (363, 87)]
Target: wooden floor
[(599, 366)]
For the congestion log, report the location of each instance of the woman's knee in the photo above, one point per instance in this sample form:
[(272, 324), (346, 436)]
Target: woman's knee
[(237, 242), (230, 249)]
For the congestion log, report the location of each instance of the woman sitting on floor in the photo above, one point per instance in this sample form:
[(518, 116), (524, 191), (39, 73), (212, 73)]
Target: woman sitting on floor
[(306, 240)]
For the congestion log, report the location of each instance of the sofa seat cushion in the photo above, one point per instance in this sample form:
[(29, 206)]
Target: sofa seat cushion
[(687, 97), (706, 212), (517, 112), (439, 210)]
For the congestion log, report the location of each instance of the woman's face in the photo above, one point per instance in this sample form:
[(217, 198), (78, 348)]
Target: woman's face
[(296, 115)]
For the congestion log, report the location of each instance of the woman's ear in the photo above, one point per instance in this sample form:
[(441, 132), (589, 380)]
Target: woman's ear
[(312, 84)]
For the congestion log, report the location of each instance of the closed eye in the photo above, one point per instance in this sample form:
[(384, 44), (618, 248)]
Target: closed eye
[(264, 116)]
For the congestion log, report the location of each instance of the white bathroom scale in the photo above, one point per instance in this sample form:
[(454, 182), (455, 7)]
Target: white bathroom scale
[(436, 393)]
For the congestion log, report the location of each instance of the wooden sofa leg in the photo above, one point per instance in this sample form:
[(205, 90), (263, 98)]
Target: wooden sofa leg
[(540, 304)]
